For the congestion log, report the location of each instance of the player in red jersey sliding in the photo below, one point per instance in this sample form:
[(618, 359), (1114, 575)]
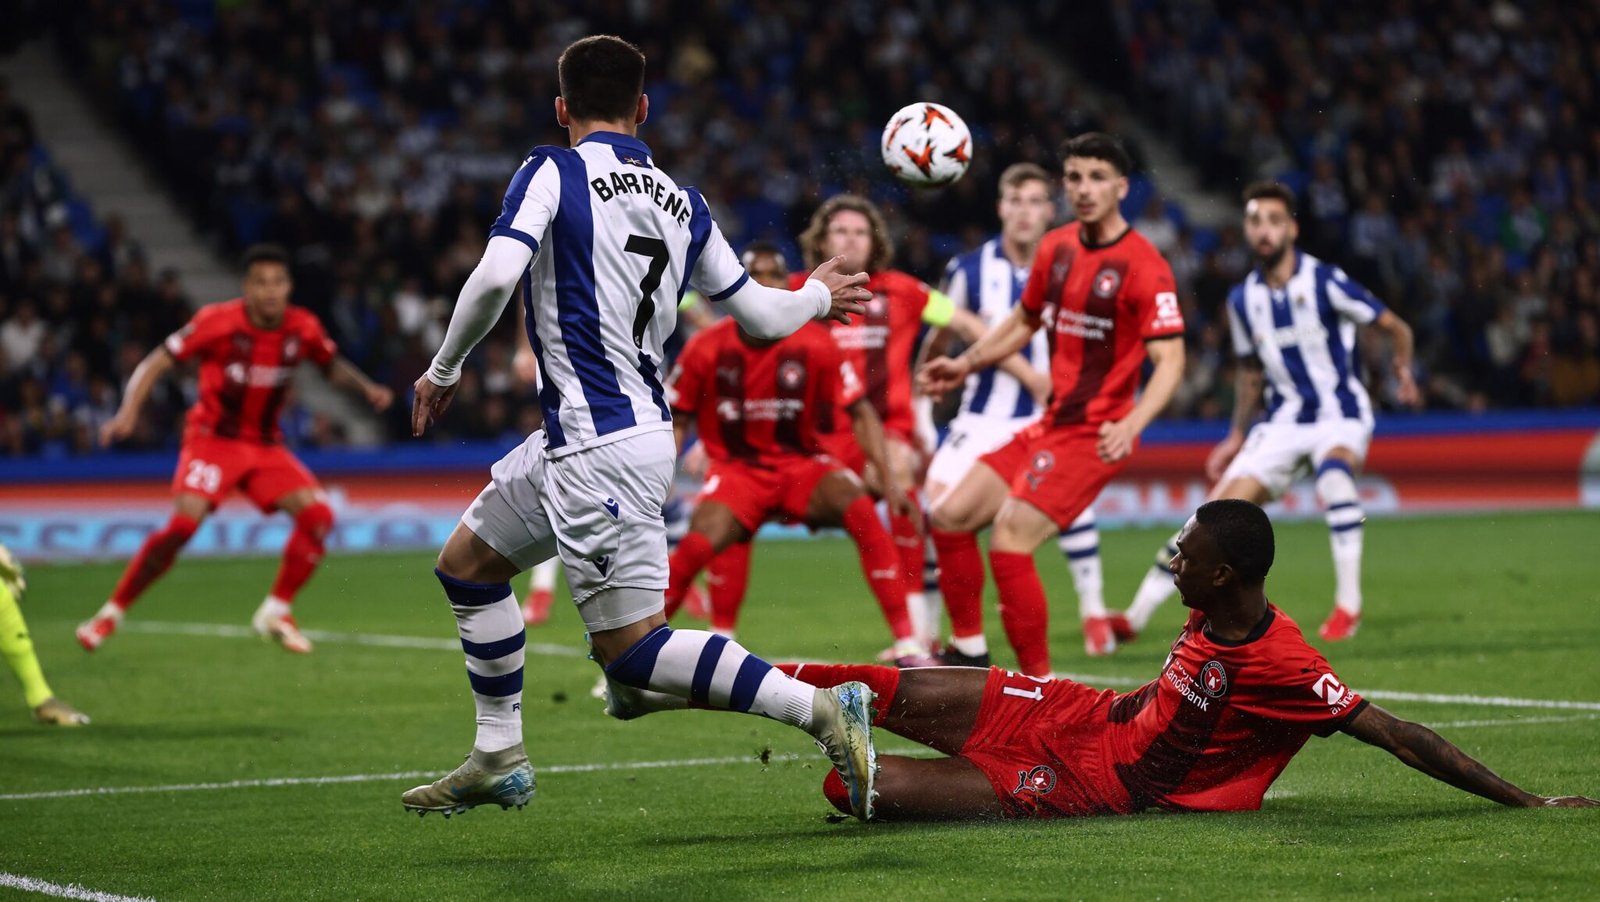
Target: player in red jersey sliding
[(1237, 698), (1110, 299), (760, 408), (248, 349), (881, 344)]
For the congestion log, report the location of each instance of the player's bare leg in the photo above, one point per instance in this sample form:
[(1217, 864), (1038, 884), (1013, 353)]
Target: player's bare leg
[(153, 559), (1341, 508), (1157, 585), (955, 518), (497, 771), (313, 520), (1020, 528), (841, 501), (712, 529), (909, 541)]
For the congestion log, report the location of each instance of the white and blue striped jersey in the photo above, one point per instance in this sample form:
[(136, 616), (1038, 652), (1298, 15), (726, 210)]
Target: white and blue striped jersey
[(987, 283), (616, 243), (1305, 336)]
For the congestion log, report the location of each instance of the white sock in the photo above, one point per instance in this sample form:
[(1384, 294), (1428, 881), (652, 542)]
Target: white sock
[(1341, 503), (715, 672), (971, 646), (925, 613), (492, 635), (1080, 542), (1155, 589), (276, 607), (544, 576)]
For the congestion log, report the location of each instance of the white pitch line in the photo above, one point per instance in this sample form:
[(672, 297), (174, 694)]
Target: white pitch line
[(63, 890), (228, 631), (1508, 722)]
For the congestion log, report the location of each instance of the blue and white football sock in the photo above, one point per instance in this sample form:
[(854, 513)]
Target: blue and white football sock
[(712, 671), (1080, 542), (492, 635), (1341, 504), (1155, 589)]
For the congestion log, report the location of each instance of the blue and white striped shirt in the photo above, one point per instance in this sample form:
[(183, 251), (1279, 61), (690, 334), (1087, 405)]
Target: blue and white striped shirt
[(987, 283), (1305, 336), (616, 243)]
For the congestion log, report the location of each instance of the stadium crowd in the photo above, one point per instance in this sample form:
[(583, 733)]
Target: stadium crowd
[(1447, 153), (376, 145)]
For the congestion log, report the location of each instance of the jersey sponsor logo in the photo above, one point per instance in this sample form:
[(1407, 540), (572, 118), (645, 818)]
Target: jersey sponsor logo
[(1106, 283), (1291, 336), (1038, 780), (856, 338), (791, 375), (1214, 679), (256, 375), (1081, 324), (1333, 692), (1180, 680)]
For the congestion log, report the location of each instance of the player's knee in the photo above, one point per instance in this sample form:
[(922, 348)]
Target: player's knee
[(947, 517), (315, 519), (1336, 483)]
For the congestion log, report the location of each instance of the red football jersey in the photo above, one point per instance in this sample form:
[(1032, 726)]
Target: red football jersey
[(881, 343), (761, 404), (1222, 721), (245, 371), (1100, 303)]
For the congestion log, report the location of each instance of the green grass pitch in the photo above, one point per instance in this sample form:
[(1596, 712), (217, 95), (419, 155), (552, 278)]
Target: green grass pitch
[(1502, 606)]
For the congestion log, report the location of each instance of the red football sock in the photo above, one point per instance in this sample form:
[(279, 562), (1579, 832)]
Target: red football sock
[(1023, 610), (882, 680), (961, 581), (729, 578), (686, 562), (879, 563), (157, 553), (303, 551), (834, 790), (909, 544)]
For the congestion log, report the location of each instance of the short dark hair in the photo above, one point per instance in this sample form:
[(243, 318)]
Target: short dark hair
[(601, 78), (1098, 146), (1243, 534), (1277, 191), (763, 246), (265, 253)]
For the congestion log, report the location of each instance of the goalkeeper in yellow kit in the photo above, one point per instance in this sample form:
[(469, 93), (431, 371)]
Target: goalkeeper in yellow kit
[(17, 648)]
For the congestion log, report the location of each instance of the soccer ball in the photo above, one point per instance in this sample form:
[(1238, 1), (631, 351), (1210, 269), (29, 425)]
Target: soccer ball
[(926, 144)]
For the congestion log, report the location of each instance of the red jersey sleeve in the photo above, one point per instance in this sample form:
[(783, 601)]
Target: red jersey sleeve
[(1155, 298), (209, 326), (319, 347), (687, 381), (1297, 686)]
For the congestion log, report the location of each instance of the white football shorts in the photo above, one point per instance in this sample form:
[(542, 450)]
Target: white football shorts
[(599, 509), (1275, 454), (969, 438)]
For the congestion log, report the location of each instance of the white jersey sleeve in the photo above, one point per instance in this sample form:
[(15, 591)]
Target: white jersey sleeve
[(1352, 299), (718, 273), (1239, 323)]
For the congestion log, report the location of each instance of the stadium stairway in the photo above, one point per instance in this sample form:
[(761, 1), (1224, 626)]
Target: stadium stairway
[(107, 172)]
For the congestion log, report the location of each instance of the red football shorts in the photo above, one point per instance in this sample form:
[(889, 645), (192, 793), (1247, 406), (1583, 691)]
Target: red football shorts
[(1057, 470), (757, 493), (843, 447), (1040, 743), (214, 467)]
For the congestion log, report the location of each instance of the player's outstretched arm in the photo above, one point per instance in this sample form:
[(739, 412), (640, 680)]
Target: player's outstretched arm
[(344, 374), (145, 376), (1435, 756), (939, 376), (1248, 380), (868, 430), (1404, 344), (772, 313), (478, 307)]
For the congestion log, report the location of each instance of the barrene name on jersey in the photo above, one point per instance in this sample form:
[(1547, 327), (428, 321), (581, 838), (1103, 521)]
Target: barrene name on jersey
[(673, 203)]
